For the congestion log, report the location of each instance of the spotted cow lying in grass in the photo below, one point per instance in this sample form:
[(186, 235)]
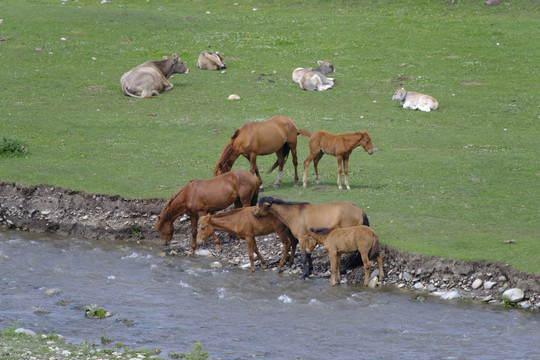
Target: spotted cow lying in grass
[(209, 61), (315, 79)]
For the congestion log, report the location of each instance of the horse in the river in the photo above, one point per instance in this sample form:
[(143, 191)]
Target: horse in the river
[(346, 240), (277, 135), (299, 217), (242, 223), (339, 145), (200, 197)]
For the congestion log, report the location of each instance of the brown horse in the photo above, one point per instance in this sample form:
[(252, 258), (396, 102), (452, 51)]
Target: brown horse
[(276, 135), (346, 240), (243, 224), (341, 146), (200, 197), (300, 217)]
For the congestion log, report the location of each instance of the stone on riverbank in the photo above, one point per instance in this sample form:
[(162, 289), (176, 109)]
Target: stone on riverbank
[(514, 295)]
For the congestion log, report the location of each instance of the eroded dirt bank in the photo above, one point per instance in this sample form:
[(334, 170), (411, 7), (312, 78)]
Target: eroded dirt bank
[(45, 208)]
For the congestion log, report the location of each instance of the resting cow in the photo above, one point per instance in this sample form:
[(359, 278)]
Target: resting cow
[(315, 79), (209, 61), (151, 78)]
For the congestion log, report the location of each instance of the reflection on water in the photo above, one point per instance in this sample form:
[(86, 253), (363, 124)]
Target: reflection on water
[(169, 303)]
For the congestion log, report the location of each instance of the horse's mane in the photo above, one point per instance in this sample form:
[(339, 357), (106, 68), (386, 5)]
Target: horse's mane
[(226, 213), (271, 200), (165, 214), (222, 163)]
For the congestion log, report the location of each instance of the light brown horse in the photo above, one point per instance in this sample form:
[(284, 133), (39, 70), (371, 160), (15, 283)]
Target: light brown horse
[(242, 223), (200, 197), (300, 217), (346, 240), (277, 135), (341, 146)]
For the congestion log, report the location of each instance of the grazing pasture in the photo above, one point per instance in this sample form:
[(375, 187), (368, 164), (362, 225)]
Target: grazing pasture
[(456, 182)]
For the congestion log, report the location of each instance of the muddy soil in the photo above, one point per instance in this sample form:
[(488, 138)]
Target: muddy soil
[(51, 209)]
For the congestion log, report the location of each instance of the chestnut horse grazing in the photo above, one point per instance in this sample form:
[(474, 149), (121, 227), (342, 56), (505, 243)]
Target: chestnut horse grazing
[(242, 223), (200, 197), (276, 135), (346, 240), (300, 217), (341, 146)]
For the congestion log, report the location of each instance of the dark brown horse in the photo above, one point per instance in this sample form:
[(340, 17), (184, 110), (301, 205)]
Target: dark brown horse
[(242, 223), (200, 197), (301, 217), (277, 135), (341, 146)]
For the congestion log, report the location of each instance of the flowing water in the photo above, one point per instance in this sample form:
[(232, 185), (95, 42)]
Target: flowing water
[(169, 303)]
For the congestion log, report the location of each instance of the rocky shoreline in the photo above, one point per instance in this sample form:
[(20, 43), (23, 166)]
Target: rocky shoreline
[(45, 208)]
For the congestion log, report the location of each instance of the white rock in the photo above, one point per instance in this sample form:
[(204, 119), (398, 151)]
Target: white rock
[(488, 285), (449, 295), (233, 97), (431, 288), (418, 286), (374, 273), (502, 278), (216, 265), (514, 295), (476, 284), (203, 252), (24, 331), (373, 283)]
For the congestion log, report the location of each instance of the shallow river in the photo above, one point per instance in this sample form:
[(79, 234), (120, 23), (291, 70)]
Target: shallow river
[(169, 303)]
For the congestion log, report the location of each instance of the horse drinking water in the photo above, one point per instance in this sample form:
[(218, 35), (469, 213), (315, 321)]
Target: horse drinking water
[(277, 135), (242, 223), (300, 217), (200, 197)]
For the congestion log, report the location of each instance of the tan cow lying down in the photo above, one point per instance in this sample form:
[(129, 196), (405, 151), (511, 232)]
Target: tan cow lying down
[(415, 101), (151, 78), (209, 61), (315, 79), (346, 240)]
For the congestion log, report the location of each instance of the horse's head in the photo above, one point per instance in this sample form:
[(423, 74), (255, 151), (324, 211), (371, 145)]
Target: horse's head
[(366, 143), (166, 230), (261, 209), (204, 229)]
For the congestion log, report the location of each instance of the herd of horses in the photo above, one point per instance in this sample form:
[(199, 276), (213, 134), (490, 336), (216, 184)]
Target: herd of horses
[(341, 227)]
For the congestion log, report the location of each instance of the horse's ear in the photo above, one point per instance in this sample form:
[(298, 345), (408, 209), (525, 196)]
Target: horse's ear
[(267, 206)]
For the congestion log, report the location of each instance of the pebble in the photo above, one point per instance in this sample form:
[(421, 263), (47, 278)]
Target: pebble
[(233, 97), (431, 288), (406, 276), (514, 295), (216, 265), (419, 286), (373, 283), (449, 295), (25, 331), (488, 285), (476, 284), (203, 252)]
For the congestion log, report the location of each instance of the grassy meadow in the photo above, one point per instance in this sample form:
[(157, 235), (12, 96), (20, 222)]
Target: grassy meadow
[(458, 182)]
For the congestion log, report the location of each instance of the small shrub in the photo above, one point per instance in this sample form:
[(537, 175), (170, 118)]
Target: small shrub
[(11, 147)]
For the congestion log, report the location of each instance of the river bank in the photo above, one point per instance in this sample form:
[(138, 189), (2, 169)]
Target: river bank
[(51, 209)]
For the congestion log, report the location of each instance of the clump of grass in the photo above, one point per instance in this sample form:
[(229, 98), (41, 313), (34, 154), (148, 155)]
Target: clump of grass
[(95, 312), (12, 148), (196, 354)]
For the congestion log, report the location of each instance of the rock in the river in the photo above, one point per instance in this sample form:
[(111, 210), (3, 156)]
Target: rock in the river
[(514, 295), (216, 265), (449, 295), (373, 282)]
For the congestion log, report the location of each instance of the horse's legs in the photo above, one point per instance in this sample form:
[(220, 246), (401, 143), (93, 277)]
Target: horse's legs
[(281, 162), (294, 242), (254, 169), (295, 163), (367, 264), (339, 168), (256, 250), (282, 232), (307, 265), (346, 169), (310, 158), (194, 219), (334, 267), (380, 263), (316, 160)]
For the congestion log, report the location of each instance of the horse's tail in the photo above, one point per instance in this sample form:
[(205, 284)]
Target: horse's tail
[(286, 149), (303, 132), (365, 220), (222, 165), (375, 248)]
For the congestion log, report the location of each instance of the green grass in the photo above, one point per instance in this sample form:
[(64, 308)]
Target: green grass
[(456, 182)]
